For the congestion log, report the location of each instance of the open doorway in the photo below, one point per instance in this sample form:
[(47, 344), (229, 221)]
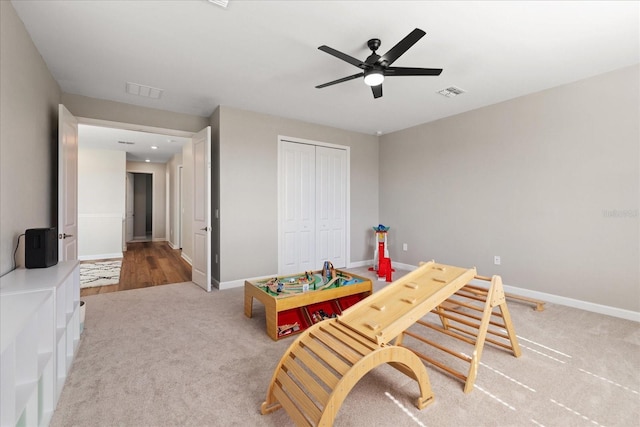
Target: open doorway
[(137, 172), (142, 202)]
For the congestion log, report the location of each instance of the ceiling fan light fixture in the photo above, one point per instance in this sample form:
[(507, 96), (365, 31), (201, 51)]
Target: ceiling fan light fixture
[(373, 77)]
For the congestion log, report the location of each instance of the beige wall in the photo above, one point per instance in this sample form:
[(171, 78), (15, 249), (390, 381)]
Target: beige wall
[(550, 182), (248, 148), (29, 99), (101, 109), (159, 194), (101, 203)]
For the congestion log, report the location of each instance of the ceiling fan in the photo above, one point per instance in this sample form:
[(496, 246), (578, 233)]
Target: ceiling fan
[(376, 68)]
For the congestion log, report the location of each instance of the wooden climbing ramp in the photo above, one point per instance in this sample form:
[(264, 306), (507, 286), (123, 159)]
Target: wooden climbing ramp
[(326, 361)]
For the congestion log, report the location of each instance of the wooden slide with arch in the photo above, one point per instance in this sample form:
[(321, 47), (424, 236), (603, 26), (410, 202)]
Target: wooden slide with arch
[(319, 369)]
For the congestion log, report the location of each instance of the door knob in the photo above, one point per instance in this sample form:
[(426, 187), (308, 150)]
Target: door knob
[(64, 235)]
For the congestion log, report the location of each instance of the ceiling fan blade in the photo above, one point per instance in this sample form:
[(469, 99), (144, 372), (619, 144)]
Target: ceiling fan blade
[(377, 91), (409, 71), (402, 46), (344, 79), (347, 58)]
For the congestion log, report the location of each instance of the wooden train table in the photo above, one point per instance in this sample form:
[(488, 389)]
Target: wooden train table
[(293, 303)]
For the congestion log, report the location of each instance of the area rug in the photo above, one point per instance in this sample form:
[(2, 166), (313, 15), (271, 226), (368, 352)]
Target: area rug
[(99, 273)]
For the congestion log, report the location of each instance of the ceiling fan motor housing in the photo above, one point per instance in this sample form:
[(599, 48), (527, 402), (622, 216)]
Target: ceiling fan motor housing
[(373, 44)]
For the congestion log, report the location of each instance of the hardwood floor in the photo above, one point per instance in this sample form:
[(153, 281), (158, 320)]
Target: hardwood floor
[(147, 264)]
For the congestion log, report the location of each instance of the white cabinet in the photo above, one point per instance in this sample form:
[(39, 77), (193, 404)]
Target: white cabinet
[(40, 333)]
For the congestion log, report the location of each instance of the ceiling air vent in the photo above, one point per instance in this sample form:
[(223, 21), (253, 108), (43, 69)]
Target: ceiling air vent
[(450, 92), (222, 3), (144, 91), (126, 142)]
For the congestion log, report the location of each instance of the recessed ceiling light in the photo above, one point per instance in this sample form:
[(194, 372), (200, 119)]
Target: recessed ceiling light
[(153, 147), (147, 160)]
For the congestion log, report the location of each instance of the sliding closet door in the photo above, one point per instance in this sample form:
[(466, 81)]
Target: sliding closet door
[(331, 202), (297, 208), (313, 197)]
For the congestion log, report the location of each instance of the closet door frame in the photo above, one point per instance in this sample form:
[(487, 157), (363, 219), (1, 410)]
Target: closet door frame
[(282, 139)]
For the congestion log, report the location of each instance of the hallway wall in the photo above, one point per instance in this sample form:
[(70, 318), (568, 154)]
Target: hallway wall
[(101, 203)]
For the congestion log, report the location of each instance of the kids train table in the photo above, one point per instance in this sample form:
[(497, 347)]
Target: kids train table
[(303, 299)]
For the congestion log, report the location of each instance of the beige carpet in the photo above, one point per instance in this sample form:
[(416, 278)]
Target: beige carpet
[(176, 356)]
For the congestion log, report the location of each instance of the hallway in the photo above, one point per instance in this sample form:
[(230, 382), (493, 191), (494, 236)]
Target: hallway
[(147, 264)]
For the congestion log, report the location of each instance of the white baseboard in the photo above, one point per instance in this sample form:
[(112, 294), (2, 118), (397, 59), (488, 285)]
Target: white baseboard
[(239, 282), (186, 258), (403, 266), (370, 262), (99, 256), (158, 239), (570, 302), (357, 264), (556, 299)]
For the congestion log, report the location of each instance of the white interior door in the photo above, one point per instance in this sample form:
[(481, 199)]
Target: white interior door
[(67, 185), (129, 208), (201, 263), (297, 208), (331, 202)]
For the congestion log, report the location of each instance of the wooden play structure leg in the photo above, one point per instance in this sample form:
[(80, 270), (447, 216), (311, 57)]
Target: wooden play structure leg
[(473, 315)]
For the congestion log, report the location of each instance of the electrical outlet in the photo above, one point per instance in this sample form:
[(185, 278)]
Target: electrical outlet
[(405, 247), (496, 260)]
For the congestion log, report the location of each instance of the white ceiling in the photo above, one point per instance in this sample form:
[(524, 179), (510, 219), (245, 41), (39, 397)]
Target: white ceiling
[(262, 55), (138, 145)]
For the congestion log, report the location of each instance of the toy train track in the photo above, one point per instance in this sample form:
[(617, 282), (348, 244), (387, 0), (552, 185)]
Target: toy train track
[(282, 287)]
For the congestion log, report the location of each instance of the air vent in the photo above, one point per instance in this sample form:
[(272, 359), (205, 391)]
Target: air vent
[(126, 142), (222, 3), (144, 91), (450, 92)]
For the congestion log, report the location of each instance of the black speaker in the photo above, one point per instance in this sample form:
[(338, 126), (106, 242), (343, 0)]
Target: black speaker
[(40, 247)]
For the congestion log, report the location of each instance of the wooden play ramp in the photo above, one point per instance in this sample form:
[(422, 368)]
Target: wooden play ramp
[(326, 361), (324, 364)]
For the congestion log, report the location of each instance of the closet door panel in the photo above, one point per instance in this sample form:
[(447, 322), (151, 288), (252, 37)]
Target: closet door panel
[(297, 176), (331, 197)]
